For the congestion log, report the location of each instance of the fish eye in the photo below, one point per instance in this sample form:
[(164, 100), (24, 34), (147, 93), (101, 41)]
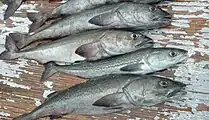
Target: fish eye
[(173, 54), (163, 84), (152, 8), (134, 36)]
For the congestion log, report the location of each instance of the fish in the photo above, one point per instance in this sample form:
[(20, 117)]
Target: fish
[(13, 5), (126, 15), (139, 62), (75, 6), (88, 45), (107, 94)]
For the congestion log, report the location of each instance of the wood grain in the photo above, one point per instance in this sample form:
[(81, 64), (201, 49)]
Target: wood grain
[(190, 32)]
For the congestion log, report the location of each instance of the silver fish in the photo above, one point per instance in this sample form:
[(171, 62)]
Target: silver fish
[(90, 45), (13, 5), (142, 61), (120, 15), (107, 94), (75, 6)]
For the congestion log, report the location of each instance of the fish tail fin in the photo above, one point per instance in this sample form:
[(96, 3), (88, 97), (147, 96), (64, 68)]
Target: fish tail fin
[(13, 5), (38, 20), (19, 39), (49, 70), (11, 50), (26, 116)]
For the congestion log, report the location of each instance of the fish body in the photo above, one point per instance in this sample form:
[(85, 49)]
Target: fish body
[(90, 45), (121, 15), (142, 61), (72, 7), (68, 8), (75, 6), (107, 94)]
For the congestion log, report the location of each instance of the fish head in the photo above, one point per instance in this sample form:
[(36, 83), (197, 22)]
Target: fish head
[(133, 40), (166, 88), (139, 41), (151, 90), (152, 16), (120, 42), (163, 58)]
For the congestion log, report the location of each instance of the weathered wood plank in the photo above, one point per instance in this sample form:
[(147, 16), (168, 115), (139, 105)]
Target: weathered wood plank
[(21, 91)]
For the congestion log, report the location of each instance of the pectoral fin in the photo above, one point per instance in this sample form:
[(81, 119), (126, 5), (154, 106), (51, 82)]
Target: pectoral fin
[(104, 19), (132, 67), (88, 50), (113, 101)]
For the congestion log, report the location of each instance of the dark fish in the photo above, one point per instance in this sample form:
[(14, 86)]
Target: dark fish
[(107, 94), (121, 15), (13, 5), (75, 6), (92, 45), (142, 61)]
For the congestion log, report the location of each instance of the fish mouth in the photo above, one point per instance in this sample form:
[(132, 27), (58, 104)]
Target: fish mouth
[(183, 59), (167, 17), (164, 21), (171, 94), (163, 18), (181, 89), (145, 44)]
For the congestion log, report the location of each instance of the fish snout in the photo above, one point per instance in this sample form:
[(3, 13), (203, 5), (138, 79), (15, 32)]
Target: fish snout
[(182, 85), (163, 19), (163, 15)]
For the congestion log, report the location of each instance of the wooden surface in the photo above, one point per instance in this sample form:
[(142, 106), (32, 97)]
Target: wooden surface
[(21, 91)]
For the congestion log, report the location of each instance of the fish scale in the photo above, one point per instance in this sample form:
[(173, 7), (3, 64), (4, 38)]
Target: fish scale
[(104, 17), (106, 94), (142, 61), (81, 46)]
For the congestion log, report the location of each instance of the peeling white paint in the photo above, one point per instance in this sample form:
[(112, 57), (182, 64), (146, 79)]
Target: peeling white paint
[(205, 29), (20, 25), (37, 102), (178, 24), (2, 9), (10, 100), (190, 3), (203, 115), (4, 114), (27, 72), (187, 37), (172, 31), (27, 7), (188, 8), (156, 118), (203, 15), (15, 85), (204, 42), (47, 92), (48, 84), (12, 70), (191, 73)]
